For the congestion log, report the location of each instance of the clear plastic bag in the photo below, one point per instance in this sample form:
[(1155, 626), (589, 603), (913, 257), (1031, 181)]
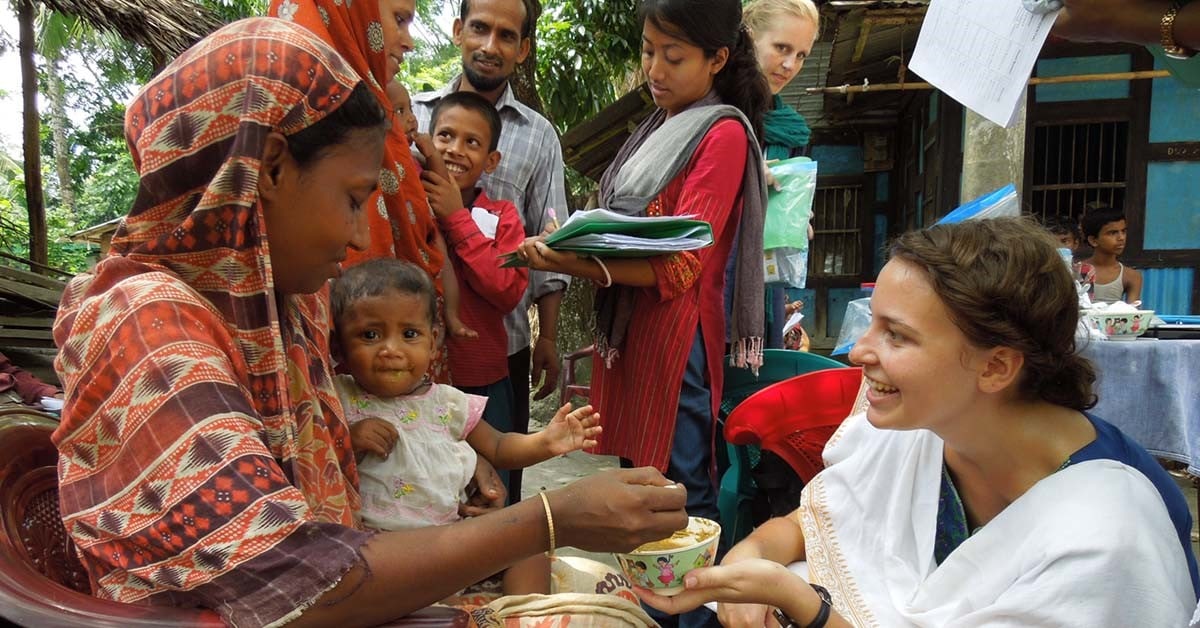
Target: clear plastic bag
[(785, 266), (854, 325), (789, 204), (785, 231)]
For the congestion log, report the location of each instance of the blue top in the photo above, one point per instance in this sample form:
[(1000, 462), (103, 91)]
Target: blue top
[(1110, 444)]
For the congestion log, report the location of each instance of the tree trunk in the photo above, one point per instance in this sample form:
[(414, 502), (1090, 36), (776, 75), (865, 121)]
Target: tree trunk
[(58, 130), (34, 201), (524, 79)]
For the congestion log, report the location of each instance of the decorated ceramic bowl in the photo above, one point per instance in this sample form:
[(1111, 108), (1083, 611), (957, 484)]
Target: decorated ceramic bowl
[(1121, 325), (661, 565)]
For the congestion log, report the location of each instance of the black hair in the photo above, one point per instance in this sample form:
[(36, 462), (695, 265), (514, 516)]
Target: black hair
[(1094, 221), (1004, 285), (360, 110), (471, 102), (1062, 225), (464, 9), (377, 277), (711, 25)]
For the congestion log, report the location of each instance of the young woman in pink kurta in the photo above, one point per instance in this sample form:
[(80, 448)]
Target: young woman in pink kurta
[(640, 393)]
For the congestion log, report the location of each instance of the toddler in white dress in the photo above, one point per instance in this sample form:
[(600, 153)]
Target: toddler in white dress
[(417, 440)]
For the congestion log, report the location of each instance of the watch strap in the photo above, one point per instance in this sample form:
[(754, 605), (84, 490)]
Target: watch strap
[(822, 613)]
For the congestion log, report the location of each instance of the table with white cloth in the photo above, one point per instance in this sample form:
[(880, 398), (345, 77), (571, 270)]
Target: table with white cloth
[(1150, 389)]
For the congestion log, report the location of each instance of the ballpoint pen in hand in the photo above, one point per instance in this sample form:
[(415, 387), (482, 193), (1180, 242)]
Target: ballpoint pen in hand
[(553, 218)]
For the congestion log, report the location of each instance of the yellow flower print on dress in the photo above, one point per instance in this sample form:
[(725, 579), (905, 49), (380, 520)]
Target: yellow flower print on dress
[(402, 488)]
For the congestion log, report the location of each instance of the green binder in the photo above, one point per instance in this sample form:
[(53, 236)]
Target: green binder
[(602, 233)]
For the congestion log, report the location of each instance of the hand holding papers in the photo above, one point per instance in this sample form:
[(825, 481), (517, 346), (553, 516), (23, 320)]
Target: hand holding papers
[(602, 233), (981, 52)]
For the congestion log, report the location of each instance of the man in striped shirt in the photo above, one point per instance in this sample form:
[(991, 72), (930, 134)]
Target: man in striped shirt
[(494, 36)]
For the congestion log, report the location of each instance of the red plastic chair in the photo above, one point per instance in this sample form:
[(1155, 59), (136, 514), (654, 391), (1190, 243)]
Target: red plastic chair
[(42, 582), (794, 418)]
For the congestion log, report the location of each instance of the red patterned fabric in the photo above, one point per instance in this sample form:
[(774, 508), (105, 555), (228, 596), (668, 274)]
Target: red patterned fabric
[(203, 450), (403, 226), (638, 397)]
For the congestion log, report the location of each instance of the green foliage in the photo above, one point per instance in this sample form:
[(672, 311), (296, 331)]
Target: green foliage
[(14, 224), (436, 59), (108, 192), (232, 10), (585, 49), (432, 74), (14, 227)]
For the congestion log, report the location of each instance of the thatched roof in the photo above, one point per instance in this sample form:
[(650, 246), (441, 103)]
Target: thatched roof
[(166, 27)]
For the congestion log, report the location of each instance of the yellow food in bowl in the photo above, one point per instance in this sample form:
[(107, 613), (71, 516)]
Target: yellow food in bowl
[(698, 531)]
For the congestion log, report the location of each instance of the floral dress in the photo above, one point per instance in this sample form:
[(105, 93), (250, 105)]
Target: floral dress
[(421, 482)]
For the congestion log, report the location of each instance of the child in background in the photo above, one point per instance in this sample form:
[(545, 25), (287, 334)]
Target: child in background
[(402, 107), (418, 440), (1063, 229), (1104, 230), (465, 130)]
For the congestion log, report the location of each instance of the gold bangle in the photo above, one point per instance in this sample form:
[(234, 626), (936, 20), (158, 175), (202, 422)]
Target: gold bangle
[(1167, 33), (549, 520)]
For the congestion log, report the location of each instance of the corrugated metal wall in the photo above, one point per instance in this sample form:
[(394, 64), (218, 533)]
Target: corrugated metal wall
[(1167, 290)]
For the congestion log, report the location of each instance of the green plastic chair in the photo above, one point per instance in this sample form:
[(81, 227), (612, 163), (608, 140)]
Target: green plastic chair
[(737, 486)]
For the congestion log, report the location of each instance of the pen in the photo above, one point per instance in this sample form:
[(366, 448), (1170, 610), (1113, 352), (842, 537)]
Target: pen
[(553, 218)]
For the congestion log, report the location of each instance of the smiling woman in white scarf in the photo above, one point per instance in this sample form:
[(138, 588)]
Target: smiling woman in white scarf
[(975, 489)]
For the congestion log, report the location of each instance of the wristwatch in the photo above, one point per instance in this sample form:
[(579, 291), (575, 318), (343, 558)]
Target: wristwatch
[(1166, 31), (822, 614)]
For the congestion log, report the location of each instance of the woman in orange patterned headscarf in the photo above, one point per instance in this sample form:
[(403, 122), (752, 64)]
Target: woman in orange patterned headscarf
[(202, 443), (373, 37)]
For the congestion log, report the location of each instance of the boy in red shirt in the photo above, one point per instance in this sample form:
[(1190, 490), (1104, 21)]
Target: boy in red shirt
[(465, 129)]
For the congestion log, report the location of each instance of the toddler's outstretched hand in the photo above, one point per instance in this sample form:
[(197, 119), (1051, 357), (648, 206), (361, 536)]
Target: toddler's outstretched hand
[(571, 430)]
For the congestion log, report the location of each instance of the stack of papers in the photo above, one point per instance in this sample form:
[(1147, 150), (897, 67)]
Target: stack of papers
[(603, 233)]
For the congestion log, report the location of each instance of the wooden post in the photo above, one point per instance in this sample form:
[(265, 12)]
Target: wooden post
[(35, 204)]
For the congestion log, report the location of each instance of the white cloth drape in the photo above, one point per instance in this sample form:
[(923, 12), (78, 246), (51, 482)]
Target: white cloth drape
[(1091, 545)]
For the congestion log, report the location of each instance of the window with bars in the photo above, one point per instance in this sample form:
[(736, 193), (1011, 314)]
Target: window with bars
[(1078, 164), (836, 248)]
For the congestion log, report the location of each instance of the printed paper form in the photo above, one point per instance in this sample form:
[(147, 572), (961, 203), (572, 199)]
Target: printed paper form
[(981, 52)]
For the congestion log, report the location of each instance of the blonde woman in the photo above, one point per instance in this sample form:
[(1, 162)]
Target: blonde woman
[(784, 32)]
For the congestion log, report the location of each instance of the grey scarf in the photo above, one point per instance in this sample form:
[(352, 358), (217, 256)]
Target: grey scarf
[(639, 172)]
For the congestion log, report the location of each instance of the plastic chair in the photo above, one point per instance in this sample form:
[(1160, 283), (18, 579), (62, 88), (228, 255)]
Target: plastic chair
[(737, 488), (568, 386), (42, 582), (794, 418)]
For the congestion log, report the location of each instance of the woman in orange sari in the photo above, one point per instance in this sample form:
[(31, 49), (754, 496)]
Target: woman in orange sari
[(373, 37)]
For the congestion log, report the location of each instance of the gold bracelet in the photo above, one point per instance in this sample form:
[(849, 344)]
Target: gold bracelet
[(1167, 33), (549, 520)]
